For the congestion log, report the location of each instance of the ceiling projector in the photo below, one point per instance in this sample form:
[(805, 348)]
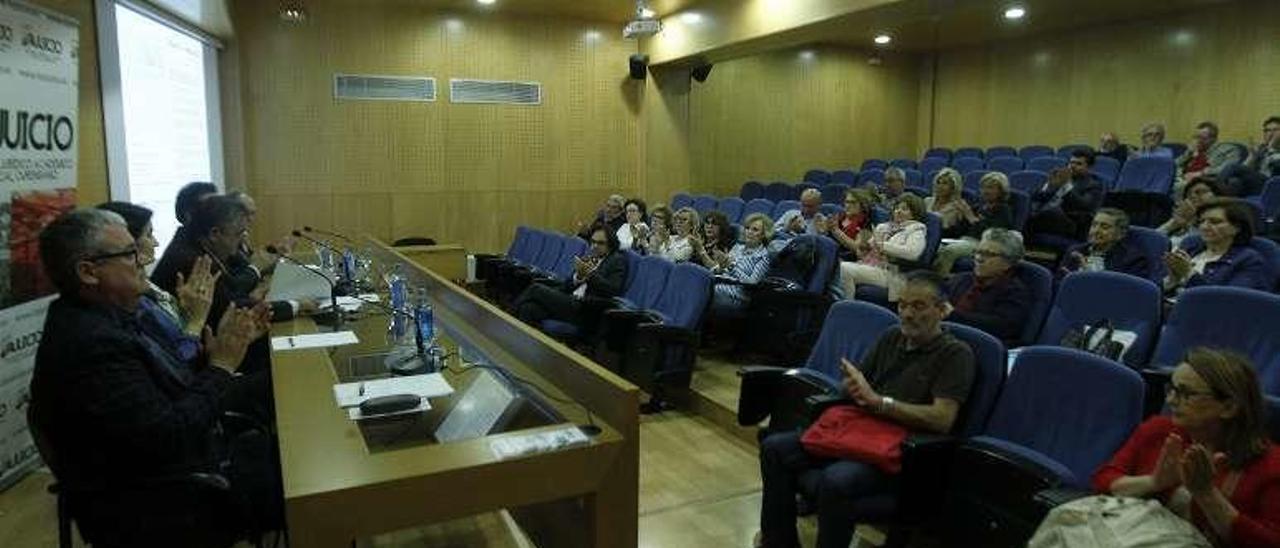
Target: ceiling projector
[(642, 27)]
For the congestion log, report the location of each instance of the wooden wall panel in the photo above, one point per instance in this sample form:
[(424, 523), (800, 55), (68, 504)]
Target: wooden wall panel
[(1066, 87), (460, 173), (775, 115), (91, 184)]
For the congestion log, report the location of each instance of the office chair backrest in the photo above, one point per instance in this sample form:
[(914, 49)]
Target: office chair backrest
[(1129, 303)]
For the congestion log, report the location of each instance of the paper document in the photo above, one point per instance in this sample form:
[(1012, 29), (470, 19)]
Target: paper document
[(291, 282), (314, 340), (350, 304), (430, 385), (354, 413)]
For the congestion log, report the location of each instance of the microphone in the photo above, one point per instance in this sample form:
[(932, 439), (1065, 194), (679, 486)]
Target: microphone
[(344, 287), (319, 242), (329, 234), (333, 288)]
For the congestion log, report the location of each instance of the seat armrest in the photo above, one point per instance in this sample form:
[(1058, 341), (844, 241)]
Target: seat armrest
[(618, 324), (757, 392), (816, 404), (670, 333), (926, 472), (1049, 499)]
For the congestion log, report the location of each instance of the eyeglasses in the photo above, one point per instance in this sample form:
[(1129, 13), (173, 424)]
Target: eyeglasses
[(984, 254), (133, 251), (599, 242), (1182, 393)]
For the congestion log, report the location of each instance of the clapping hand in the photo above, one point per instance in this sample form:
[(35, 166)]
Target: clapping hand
[(720, 258), (1197, 469), (584, 267), (1185, 213), (856, 385), (1179, 263), (1168, 471), (195, 294), (237, 328)]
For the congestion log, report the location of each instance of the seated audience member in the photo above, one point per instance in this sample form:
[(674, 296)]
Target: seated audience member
[(1247, 178), (895, 184), (993, 212), (992, 297), (1153, 143), (610, 215), (917, 375), (113, 408), (746, 263), (811, 210), (852, 227), (1110, 146), (190, 196), (718, 237), (600, 275), (659, 231), (1206, 157), (949, 204), (635, 230), (903, 239), (678, 246), (1065, 205), (1108, 248), (261, 260), (1224, 256), (1209, 459), (1182, 224), (788, 226)]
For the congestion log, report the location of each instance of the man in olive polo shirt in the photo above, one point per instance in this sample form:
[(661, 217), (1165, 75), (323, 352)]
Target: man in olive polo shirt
[(916, 375)]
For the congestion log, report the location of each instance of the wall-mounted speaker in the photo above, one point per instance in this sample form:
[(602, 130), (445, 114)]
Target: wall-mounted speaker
[(701, 73), (639, 66)]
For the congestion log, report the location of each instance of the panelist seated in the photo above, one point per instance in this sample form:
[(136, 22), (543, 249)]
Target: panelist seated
[(600, 275), (1209, 459), (1108, 248), (992, 297), (108, 404), (1223, 255), (917, 375)]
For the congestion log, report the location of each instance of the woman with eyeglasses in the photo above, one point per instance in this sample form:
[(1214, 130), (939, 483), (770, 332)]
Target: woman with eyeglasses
[(992, 297), (1209, 459), (635, 230), (851, 228), (1152, 143), (902, 239), (1222, 255), (659, 231), (677, 247), (993, 212)]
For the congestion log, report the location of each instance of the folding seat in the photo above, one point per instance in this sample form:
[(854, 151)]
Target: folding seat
[(1143, 190), (786, 316), (783, 207), (1028, 181), (758, 205), (703, 204), (1031, 152), (871, 177), (751, 190), (873, 163), (1040, 281), (968, 152), (972, 181), (931, 165), (879, 214), (1060, 415), (1005, 164), (777, 191), (998, 151), (1129, 303), (1065, 151), (1020, 202), (555, 256), (1046, 164), (967, 164), (487, 264), (732, 208), (844, 177), (903, 163), (1154, 244), (915, 180), (831, 210), (680, 201), (1106, 169), (817, 176), (834, 193), (1230, 318), (938, 152), (567, 331)]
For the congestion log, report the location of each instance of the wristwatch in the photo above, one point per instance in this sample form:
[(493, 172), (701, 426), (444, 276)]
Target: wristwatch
[(886, 403)]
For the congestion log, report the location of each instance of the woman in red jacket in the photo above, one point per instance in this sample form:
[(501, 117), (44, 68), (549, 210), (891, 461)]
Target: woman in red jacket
[(1209, 460)]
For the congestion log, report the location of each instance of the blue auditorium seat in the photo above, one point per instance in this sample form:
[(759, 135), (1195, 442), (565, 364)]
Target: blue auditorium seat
[(968, 152), (873, 163), (777, 191), (968, 164), (680, 201), (703, 204), (1106, 169), (758, 205), (933, 164), (1129, 303), (817, 176), (1005, 164), (938, 152), (732, 208), (1065, 151), (751, 190), (783, 207), (1020, 202), (903, 163), (1028, 181), (1147, 174), (834, 193), (844, 177), (1031, 152), (1045, 164), (873, 177), (998, 151), (1229, 318), (1154, 244)]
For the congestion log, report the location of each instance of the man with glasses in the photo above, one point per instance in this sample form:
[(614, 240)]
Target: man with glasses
[(917, 375), (1206, 157), (610, 216), (992, 297), (107, 401), (1247, 178), (597, 277)]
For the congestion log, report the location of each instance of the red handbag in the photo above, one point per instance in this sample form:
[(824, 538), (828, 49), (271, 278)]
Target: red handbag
[(849, 433)]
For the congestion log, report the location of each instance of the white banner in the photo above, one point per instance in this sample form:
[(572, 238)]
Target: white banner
[(39, 71)]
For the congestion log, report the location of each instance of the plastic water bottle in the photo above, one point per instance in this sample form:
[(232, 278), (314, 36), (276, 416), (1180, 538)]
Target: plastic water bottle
[(348, 265), (326, 258), (425, 318), (399, 291)]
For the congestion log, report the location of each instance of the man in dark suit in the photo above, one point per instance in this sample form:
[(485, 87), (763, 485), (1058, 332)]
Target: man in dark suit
[(1065, 204), (600, 275), (116, 417), (1108, 248)]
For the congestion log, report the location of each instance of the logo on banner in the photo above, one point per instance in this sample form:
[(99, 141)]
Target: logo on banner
[(42, 43), (22, 130), (25, 345)]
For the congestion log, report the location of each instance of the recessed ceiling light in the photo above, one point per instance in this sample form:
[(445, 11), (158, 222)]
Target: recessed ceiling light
[(1015, 12), (293, 14), (592, 35), (691, 18), (807, 55), (486, 2), (646, 13), (883, 39)]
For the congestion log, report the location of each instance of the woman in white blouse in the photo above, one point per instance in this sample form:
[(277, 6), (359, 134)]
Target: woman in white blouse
[(677, 247), (634, 230), (903, 239)]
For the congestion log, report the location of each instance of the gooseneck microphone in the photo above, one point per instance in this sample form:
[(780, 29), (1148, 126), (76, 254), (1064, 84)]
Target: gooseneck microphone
[(329, 234), (317, 241), (333, 288)]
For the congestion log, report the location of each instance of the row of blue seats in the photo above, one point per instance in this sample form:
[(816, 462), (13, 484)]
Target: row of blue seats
[(1048, 421), (1105, 168)]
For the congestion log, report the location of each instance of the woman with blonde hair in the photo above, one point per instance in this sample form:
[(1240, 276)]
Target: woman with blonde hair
[(948, 202), (902, 239), (994, 211), (677, 247)]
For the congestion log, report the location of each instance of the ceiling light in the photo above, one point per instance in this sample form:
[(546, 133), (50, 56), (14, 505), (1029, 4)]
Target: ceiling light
[(807, 55), (883, 39), (691, 18), (646, 13), (293, 13), (486, 2), (1015, 12), (592, 35)]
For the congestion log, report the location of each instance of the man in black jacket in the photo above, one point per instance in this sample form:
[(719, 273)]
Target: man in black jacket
[(1065, 205), (992, 297), (114, 413), (1108, 248), (600, 275)]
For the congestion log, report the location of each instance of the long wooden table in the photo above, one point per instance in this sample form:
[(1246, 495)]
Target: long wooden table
[(338, 488)]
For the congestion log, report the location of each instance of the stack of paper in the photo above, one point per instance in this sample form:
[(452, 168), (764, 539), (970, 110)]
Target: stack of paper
[(314, 340), (430, 385)]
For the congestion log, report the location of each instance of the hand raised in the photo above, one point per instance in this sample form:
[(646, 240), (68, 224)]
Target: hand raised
[(856, 385), (195, 294), (237, 328), (1168, 471)]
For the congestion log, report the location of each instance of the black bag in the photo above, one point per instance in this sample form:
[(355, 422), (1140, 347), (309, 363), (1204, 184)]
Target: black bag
[(792, 268), (1088, 340)]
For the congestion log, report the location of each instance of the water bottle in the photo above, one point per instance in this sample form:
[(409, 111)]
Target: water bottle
[(326, 258), (399, 291), (348, 265)]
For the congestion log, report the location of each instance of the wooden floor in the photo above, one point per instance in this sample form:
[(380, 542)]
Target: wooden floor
[(699, 485)]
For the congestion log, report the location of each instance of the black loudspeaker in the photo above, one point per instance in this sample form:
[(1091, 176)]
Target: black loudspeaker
[(639, 66), (701, 73)]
